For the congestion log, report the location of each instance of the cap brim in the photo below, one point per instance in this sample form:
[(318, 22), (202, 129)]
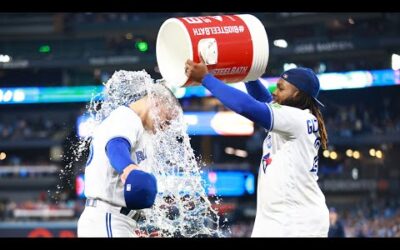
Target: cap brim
[(319, 103)]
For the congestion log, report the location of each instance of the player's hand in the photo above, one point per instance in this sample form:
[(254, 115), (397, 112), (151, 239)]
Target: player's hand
[(196, 71), (126, 172)]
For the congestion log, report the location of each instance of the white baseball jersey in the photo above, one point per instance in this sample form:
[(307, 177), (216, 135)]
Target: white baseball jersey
[(102, 181), (289, 200)]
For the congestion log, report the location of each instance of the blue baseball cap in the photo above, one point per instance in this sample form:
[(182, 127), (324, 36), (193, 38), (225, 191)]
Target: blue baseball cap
[(140, 189), (332, 209), (304, 79)]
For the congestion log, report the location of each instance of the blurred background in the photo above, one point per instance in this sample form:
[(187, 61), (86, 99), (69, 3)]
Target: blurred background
[(51, 63)]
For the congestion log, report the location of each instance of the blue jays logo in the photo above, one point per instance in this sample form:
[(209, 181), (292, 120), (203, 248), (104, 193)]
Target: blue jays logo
[(266, 161), (140, 156), (269, 141)]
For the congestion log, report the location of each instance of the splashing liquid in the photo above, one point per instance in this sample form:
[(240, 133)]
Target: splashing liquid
[(182, 207)]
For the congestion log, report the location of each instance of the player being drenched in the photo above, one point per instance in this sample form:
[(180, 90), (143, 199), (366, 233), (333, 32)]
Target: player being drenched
[(118, 183), (289, 200)]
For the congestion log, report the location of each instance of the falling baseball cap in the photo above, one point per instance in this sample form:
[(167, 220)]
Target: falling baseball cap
[(140, 190), (304, 79)]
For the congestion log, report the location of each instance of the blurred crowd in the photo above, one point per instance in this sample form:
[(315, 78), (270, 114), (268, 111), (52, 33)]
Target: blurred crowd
[(48, 206), (375, 218), (341, 121), (242, 228), (31, 129), (359, 118), (119, 18), (98, 18)]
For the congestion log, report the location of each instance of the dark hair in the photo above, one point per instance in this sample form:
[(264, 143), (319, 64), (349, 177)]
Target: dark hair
[(304, 101)]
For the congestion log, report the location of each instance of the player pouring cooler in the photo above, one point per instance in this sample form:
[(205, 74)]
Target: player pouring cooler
[(289, 200)]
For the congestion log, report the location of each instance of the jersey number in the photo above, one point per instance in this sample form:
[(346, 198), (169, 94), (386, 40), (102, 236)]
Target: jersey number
[(314, 168), (317, 144)]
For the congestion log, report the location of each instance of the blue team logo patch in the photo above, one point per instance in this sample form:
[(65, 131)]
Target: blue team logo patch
[(140, 156), (269, 141), (266, 160)]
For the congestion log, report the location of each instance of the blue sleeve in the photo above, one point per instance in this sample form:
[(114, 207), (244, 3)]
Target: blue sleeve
[(240, 102), (118, 152), (257, 90)]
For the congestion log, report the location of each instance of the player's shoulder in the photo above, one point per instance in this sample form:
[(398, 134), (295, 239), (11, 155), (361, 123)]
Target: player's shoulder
[(309, 115), (124, 112), (123, 117), (280, 107), (122, 121), (293, 112), (122, 109), (276, 106)]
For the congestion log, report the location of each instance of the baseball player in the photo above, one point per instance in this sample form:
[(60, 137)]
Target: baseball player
[(117, 182), (289, 200)]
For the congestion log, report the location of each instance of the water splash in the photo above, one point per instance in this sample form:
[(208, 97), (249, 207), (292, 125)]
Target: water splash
[(65, 176), (182, 207), (123, 88)]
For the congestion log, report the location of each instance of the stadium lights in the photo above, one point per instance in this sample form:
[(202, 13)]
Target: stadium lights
[(128, 36), (7, 96), (395, 61), (44, 49), (354, 173), (3, 156), (142, 46), (281, 43), (321, 68), (376, 153), (229, 150), (333, 155), (241, 153), (349, 153), (372, 152), (5, 58), (326, 153), (379, 154), (356, 154), (237, 152)]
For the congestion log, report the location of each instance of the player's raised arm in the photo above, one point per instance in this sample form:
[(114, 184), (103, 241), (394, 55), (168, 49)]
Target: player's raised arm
[(236, 100), (257, 90)]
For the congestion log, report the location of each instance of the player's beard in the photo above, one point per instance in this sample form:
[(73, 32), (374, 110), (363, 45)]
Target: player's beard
[(292, 102)]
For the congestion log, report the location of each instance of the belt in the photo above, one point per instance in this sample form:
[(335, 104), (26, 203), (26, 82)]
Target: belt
[(133, 214)]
